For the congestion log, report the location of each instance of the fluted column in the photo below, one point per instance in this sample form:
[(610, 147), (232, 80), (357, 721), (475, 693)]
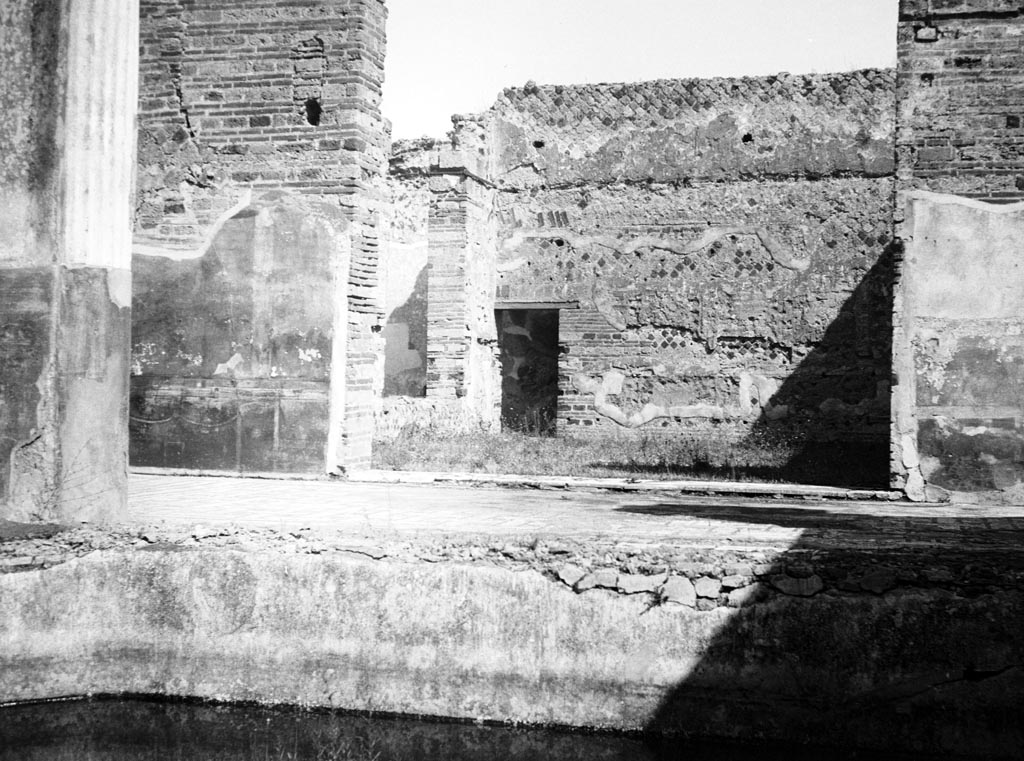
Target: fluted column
[(65, 268), (94, 334), (101, 100)]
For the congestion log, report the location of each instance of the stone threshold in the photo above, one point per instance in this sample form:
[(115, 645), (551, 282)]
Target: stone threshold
[(752, 489), (505, 480)]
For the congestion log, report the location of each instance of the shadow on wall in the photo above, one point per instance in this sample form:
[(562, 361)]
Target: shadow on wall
[(870, 632), (528, 341), (828, 422), (405, 343), (837, 425)]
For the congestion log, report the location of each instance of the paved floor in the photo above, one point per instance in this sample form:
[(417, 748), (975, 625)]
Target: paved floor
[(395, 509)]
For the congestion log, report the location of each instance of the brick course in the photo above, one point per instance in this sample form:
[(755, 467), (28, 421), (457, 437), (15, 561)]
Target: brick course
[(961, 99)]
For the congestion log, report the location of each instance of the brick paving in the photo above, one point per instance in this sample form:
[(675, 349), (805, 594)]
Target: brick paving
[(397, 509)]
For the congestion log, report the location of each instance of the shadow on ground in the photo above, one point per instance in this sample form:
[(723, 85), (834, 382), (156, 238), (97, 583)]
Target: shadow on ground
[(895, 633)]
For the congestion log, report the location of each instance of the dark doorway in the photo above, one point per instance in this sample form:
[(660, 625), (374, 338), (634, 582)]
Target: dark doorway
[(528, 339)]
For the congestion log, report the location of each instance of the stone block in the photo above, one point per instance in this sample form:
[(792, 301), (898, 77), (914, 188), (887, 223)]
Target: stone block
[(571, 574), (735, 582), (605, 578), (679, 590), (739, 598), (879, 580), (803, 587), (707, 587), (635, 583)]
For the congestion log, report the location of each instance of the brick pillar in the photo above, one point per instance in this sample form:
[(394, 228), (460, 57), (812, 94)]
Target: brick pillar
[(461, 334), (67, 99), (447, 337)]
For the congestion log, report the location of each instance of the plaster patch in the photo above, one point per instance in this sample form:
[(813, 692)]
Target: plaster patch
[(119, 287), (909, 447), (228, 368), (193, 248), (779, 253), (611, 384)]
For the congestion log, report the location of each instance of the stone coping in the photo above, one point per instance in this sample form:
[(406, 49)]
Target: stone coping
[(685, 486)]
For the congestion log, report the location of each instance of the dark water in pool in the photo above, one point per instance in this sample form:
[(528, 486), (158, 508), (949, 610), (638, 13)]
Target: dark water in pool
[(122, 729)]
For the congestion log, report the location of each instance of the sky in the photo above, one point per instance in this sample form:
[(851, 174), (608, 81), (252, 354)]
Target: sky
[(455, 56)]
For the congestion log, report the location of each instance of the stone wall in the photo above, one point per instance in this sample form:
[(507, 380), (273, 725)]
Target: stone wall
[(719, 252), (957, 411), (879, 632), (259, 155)]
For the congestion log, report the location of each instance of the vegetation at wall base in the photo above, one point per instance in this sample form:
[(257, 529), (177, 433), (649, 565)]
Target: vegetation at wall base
[(646, 455)]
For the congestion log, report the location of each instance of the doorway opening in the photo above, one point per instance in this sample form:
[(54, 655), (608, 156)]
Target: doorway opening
[(528, 343)]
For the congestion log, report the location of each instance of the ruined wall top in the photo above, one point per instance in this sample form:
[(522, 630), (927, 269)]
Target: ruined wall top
[(961, 98), (938, 8), (690, 129), (241, 98)]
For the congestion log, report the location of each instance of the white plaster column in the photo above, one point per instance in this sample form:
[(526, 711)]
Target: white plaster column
[(100, 105), (93, 325)]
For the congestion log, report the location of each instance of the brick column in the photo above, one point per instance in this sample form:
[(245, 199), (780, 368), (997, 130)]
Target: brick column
[(461, 334), (447, 337), (68, 95)]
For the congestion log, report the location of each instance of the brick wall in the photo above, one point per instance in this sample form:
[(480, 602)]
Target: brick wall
[(961, 98), (257, 108)]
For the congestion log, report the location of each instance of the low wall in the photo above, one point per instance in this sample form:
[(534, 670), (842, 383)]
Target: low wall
[(914, 649)]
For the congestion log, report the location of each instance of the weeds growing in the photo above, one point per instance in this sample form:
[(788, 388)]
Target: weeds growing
[(654, 456)]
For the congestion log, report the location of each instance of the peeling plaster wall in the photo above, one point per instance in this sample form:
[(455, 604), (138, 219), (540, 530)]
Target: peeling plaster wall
[(28, 231), (261, 147), (728, 242), (957, 408), (233, 350), (961, 358), (27, 458)]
